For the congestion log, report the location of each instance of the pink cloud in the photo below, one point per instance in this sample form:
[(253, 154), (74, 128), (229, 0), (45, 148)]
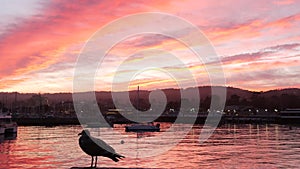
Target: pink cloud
[(284, 2), (35, 43), (40, 42)]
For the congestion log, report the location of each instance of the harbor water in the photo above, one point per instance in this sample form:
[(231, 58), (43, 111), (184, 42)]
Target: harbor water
[(230, 146)]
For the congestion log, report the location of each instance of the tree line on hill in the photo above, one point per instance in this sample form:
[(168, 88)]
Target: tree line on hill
[(62, 102)]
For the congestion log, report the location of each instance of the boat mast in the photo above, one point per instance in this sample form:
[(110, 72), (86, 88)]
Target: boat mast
[(138, 102), (138, 97)]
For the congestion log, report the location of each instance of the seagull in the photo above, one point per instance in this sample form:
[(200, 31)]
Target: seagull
[(96, 147)]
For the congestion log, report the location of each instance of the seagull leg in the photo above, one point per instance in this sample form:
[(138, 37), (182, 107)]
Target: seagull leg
[(92, 162), (96, 161)]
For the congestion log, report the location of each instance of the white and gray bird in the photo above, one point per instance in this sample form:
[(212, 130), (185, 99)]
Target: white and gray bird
[(96, 147)]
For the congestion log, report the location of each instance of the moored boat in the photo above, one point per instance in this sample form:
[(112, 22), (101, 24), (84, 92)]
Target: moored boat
[(150, 127), (2, 129), (7, 124), (290, 116), (141, 127)]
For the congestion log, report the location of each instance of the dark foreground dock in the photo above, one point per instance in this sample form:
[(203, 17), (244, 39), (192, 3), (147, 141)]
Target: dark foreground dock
[(109, 168)]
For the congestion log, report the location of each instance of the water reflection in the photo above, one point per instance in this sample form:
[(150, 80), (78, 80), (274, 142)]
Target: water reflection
[(231, 146)]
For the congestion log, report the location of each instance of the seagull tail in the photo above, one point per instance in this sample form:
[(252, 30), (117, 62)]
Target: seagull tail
[(116, 157)]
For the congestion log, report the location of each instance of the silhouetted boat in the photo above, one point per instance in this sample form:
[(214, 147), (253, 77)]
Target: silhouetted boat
[(290, 116), (148, 127), (7, 123), (2, 129)]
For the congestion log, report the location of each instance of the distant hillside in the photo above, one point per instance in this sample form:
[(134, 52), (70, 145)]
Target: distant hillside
[(288, 91), (172, 95)]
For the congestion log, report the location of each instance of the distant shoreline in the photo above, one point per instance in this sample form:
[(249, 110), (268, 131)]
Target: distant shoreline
[(56, 121)]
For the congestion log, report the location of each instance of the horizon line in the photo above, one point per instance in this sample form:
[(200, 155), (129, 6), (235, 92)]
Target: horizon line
[(152, 90)]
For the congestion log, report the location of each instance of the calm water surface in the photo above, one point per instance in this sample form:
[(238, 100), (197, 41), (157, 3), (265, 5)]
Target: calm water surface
[(231, 146)]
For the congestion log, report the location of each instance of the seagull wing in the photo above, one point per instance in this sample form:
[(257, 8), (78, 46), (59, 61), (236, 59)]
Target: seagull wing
[(101, 144), (107, 150)]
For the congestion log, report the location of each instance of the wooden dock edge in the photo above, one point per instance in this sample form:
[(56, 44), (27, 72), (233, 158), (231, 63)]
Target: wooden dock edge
[(111, 168)]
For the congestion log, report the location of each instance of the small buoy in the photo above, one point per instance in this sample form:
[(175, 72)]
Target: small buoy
[(122, 141)]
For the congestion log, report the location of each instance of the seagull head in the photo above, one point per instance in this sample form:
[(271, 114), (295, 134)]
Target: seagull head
[(84, 133)]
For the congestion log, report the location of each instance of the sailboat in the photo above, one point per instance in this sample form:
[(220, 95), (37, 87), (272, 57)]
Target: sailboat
[(141, 127)]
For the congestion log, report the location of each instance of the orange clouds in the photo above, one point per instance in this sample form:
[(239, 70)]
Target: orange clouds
[(246, 30), (284, 2), (44, 42), (35, 43), (251, 29)]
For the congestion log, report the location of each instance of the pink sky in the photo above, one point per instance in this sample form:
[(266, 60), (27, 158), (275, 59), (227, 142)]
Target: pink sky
[(258, 42)]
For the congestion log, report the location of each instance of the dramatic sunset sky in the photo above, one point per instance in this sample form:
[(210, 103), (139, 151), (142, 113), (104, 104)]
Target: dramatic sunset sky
[(258, 43)]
